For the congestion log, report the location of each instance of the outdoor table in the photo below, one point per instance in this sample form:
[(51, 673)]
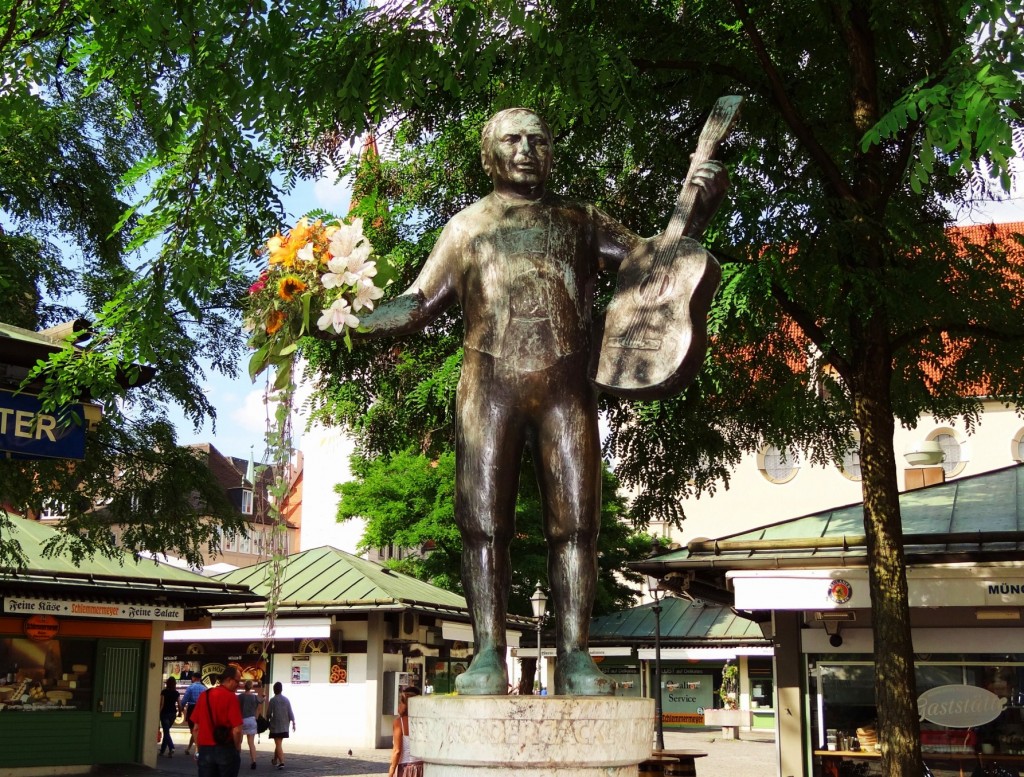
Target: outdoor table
[(674, 763)]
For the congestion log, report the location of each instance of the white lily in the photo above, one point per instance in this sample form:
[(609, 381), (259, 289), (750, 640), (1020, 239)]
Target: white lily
[(366, 292), (346, 238), (337, 317)]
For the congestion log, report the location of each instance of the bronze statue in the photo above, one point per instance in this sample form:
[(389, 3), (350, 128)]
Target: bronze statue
[(522, 264)]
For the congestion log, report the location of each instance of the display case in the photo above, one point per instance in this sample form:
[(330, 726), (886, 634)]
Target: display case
[(54, 675)]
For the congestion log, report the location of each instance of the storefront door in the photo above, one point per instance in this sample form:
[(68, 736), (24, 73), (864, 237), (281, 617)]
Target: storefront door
[(118, 701)]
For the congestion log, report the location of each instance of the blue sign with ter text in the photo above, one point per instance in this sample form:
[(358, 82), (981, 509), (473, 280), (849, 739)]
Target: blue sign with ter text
[(26, 432)]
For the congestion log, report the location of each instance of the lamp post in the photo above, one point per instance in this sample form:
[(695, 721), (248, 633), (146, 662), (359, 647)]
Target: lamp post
[(539, 600), (653, 587)]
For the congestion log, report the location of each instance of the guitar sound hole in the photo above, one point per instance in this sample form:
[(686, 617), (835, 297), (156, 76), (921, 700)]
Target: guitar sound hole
[(656, 287)]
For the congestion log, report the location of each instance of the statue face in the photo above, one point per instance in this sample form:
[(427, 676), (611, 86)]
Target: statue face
[(521, 152)]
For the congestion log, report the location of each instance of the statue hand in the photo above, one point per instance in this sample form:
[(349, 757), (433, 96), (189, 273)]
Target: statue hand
[(712, 181)]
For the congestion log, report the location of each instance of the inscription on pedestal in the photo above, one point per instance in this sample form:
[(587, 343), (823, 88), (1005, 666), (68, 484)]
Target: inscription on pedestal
[(461, 736)]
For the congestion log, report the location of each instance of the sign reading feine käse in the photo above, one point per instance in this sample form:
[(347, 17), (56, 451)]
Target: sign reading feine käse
[(959, 706), (18, 605), (27, 432)]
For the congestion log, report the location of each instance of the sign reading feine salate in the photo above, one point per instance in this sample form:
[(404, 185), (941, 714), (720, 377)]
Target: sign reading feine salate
[(959, 706), (15, 605)]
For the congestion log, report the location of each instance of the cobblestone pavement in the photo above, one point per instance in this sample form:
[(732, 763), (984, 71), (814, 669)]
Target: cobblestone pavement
[(751, 756)]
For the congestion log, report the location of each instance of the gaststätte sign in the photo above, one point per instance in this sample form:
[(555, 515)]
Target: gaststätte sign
[(959, 706)]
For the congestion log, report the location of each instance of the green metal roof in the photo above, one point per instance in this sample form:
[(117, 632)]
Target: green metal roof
[(972, 518), (682, 622), (101, 576), (326, 578)]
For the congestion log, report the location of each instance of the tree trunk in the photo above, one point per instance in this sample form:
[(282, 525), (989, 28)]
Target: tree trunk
[(895, 687)]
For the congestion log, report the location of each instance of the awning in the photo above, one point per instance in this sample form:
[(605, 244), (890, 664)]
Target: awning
[(463, 632), (250, 630), (704, 653), (597, 652)]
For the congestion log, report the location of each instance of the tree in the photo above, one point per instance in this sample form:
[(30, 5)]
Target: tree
[(865, 123), (67, 147)]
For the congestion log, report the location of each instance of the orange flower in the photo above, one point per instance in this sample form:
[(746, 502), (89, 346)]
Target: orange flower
[(302, 232), (289, 286), (282, 250), (275, 321)]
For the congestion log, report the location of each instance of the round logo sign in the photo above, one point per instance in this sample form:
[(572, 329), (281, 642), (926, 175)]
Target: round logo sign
[(839, 591), (959, 706), (40, 628)]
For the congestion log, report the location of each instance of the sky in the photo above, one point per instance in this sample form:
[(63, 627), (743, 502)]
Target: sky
[(241, 414)]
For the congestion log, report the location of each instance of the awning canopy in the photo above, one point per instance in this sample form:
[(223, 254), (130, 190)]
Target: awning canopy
[(463, 632), (251, 630), (704, 653)]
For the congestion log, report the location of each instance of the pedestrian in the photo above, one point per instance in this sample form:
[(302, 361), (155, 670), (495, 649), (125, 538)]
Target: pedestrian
[(249, 703), (403, 763), (188, 704), (279, 713), (169, 708), (218, 719)]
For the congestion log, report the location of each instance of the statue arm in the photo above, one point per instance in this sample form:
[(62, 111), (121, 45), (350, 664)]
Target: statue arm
[(430, 294)]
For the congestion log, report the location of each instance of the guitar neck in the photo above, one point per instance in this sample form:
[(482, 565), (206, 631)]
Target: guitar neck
[(722, 117)]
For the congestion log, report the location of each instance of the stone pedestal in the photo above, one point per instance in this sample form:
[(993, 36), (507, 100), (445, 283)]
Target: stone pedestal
[(534, 736)]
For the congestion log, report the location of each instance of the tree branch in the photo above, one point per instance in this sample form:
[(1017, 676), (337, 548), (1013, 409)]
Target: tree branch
[(958, 330), (789, 112), (810, 328), (702, 66), (12, 26)]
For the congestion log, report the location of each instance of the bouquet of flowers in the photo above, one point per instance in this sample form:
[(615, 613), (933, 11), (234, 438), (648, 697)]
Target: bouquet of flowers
[(320, 269)]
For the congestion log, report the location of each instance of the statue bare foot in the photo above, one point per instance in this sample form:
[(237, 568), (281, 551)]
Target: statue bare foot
[(576, 674), (487, 676)]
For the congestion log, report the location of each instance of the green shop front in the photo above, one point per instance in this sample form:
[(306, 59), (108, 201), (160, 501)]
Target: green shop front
[(80, 655), (699, 643)]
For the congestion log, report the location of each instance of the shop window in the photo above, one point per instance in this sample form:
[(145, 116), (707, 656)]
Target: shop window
[(955, 454), (778, 465), (762, 683), (49, 675), (846, 710)]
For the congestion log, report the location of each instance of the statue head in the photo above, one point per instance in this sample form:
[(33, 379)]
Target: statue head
[(515, 149)]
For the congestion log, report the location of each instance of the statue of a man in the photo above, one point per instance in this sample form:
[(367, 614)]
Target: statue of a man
[(522, 264)]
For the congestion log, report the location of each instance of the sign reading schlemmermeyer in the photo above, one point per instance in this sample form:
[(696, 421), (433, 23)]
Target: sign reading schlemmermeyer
[(15, 605)]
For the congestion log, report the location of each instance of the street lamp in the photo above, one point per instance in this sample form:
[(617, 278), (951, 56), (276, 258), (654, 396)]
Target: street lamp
[(539, 600), (654, 588)]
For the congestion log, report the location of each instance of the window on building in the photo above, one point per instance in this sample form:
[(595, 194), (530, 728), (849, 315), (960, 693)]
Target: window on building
[(851, 462), (779, 465), (53, 510), (245, 544), (955, 459), (246, 502), (1017, 450)]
